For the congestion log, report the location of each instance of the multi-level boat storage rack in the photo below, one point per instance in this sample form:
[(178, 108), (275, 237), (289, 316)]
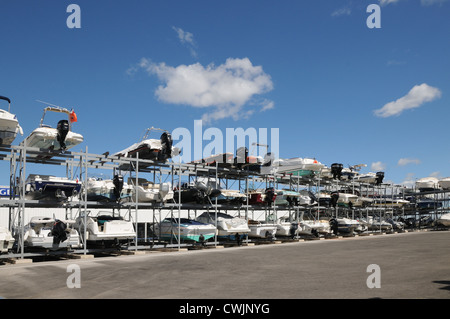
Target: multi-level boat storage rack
[(83, 163)]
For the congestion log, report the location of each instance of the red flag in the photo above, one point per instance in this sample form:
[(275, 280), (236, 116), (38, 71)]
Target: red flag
[(72, 117)]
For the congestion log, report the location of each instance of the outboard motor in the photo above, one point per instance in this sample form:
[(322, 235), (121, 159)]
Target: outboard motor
[(379, 178), (63, 130), (336, 170), (334, 199), (166, 143), (59, 232), (270, 195), (118, 185), (334, 225)]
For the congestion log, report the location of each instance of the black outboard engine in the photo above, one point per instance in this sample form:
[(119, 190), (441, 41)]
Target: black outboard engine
[(59, 232), (334, 225), (118, 185), (379, 178), (63, 130), (336, 170), (334, 199), (166, 143), (270, 195)]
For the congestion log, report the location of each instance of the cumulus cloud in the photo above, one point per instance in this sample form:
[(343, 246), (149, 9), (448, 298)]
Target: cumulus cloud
[(186, 38), (225, 88), (417, 96), (406, 161), (378, 166)]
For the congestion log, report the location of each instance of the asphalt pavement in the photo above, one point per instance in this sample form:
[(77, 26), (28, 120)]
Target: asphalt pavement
[(395, 266)]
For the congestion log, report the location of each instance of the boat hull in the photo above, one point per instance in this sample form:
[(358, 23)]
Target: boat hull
[(6, 240), (259, 230), (9, 128), (190, 231), (444, 220), (47, 138), (50, 187)]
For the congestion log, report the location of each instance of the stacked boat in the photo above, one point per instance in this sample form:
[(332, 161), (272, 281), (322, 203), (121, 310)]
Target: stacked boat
[(50, 140), (185, 229), (9, 125), (50, 233), (105, 229)]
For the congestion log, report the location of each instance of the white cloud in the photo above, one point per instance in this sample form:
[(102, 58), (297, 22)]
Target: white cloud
[(386, 2), (342, 11), (422, 2), (267, 105), (431, 2), (409, 180), (406, 161), (225, 88), (436, 174), (418, 95), (186, 38), (378, 166)]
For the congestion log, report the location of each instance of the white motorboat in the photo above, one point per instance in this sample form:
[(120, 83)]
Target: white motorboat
[(149, 191), (231, 196), (225, 196), (9, 125), (50, 233), (105, 229), (228, 227), (369, 178), (51, 139), (343, 199), (259, 229), (159, 150), (286, 227), (427, 184), (444, 183), (49, 187), (376, 224), (6, 240), (186, 229), (314, 227), (345, 225), (347, 196), (287, 197), (297, 166), (444, 220), (114, 190), (389, 202)]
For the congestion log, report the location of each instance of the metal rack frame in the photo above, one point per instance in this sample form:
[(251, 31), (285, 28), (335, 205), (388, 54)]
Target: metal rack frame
[(19, 156)]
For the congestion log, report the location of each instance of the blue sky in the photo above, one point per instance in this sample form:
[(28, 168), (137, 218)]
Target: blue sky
[(313, 69)]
